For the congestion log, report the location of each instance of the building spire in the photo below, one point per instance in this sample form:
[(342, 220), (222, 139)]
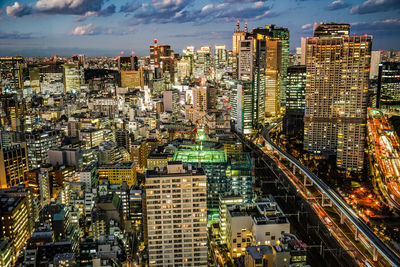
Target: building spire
[(237, 26), (245, 26)]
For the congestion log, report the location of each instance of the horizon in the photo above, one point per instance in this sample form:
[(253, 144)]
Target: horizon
[(42, 28)]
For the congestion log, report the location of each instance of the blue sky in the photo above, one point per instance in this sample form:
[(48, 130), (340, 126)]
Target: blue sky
[(106, 27)]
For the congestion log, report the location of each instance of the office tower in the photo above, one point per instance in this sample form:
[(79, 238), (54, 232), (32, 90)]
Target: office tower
[(34, 78), (73, 76), (128, 63), (202, 62), (336, 94), (22, 191), (162, 61), (139, 151), (171, 101), (238, 36), (239, 176), (295, 101), (89, 176), (273, 78), (6, 252), (39, 143), (132, 78), (221, 58), (389, 79), (184, 71), (66, 156), (176, 215), (136, 203), (11, 75), (281, 35), (251, 67), (13, 165), (15, 225), (91, 137), (123, 138), (118, 172), (12, 112), (376, 57)]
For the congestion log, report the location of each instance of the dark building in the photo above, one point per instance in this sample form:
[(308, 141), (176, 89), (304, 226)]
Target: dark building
[(295, 101)]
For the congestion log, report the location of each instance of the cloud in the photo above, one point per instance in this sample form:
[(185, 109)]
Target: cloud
[(129, 7), (336, 5), (244, 1), (306, 26), (164, 11), (256, 11), (373, 6), (15, 35), (71, 7), (68, 7), (108, 11), (169, 4), (18, 10), (88, 29), (91, 29), (378, 27)]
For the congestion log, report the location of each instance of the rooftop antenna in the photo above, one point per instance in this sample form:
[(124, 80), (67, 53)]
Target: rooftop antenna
[(237, 25), (245, 26)]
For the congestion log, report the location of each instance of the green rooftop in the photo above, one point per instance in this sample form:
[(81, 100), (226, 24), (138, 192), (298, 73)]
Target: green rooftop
[(205, 156)]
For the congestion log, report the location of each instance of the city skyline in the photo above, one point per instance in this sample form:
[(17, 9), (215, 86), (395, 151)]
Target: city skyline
[(96, 27)]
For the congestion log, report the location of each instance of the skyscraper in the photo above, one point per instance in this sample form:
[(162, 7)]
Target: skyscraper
[(176, 216), (72, 77), (295, 101), (13, 165), (220, 56), (336, 94), (238, 36), (251, 67), (281, 35), (11, 75), (273, 78)]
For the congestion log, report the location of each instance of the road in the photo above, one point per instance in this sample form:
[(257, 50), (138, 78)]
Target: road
[(383, 249)]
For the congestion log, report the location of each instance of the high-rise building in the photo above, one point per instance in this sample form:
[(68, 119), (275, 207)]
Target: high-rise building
[(38, 144), (128, 63), (336, 94), (273, 78), (221, 58), (280, 52), (132, 78), (238, 36), (13, 111), (116, 173), (162, 61), (202, 62), (13, 165), (295, 101), (176, 215), (376, 57), (251, 67), (73, 75), (15, 224), (389, 78), (11, 75)]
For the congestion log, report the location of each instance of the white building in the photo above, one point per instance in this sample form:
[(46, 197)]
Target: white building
[(254, 224)]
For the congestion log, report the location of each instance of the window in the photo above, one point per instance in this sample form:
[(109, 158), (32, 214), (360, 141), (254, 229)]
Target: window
[(267, 233)]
